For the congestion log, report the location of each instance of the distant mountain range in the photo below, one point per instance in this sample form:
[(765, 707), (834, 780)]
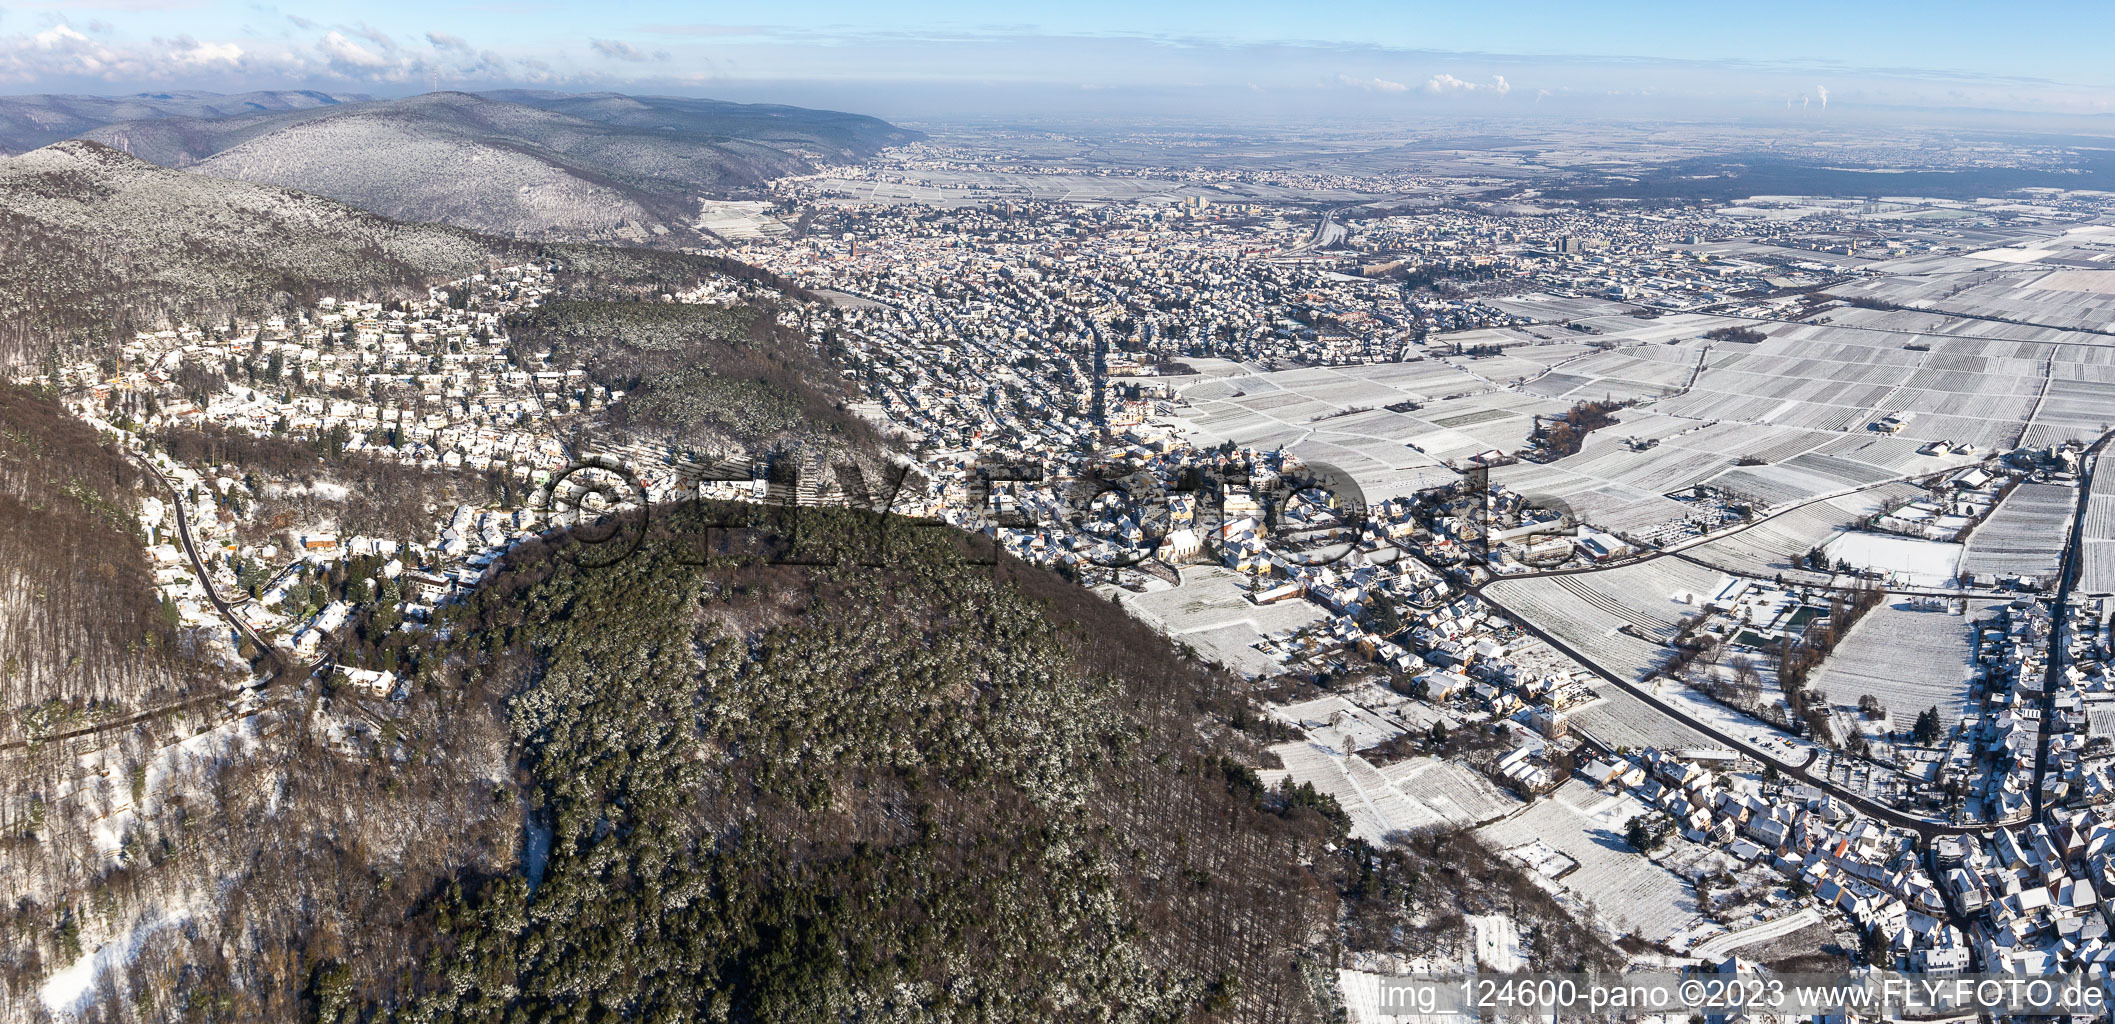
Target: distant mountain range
[(817, 134), (27, 122), (547, 166)]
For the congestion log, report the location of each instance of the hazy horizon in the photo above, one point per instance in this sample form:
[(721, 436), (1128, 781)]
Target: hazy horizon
[(944, 60)]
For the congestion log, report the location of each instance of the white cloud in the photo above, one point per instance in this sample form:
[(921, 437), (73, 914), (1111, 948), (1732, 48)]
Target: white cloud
[(340, 50), (375, 36), (191, 52), (617, 50), (358, 55), (61, 37), (63, 47), (1372, 84), (1444, 84)]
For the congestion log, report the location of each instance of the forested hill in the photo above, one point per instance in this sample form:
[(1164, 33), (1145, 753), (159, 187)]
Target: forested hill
[(531, 165), (83, 636), (777, 792), (818, 134), (93, 241), (710, 378), (95, 244), (27, 122)]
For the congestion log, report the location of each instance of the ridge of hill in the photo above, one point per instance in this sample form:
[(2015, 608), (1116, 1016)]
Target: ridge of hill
[(92, 239), (28, 122), (533, 165)]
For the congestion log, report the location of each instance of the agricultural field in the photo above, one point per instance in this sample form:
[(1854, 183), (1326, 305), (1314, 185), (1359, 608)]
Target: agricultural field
[(1752, 736), (748, 220), (1839, 379), (1332, 720), (2098, 573), (1768, 547), (1906, 561), (2010, 284), (1438, 794), (1551, 307), (2077, 405), (1453, 793), (1618, 719), (1909, 654), (1615, 486), (1627, 891), (1211, 611), (1838, 465), (1497, 946), (1340, 416), (1620, 618), (2025, 536)]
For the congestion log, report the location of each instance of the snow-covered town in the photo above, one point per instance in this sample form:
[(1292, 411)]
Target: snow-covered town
[(1511, 556)]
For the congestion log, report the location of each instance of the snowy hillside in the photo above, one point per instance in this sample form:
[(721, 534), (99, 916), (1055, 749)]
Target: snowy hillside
[(413, 169), (621, 169), (93, 236), (27, 122)]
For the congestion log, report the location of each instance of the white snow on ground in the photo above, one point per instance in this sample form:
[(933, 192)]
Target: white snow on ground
[(110, 792), (2010, 255), (1331, 720), (1629, 891), (1774, 928), (70, 991), (1911, 655), (1497, 947), (1212, 612), (1543, 859), (747, 220), (1617, 719), (1907, 560), (1754, 735), (1408, 795), (1497, 942)]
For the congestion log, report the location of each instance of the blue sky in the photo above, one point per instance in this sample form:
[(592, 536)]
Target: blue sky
[(943, 58)]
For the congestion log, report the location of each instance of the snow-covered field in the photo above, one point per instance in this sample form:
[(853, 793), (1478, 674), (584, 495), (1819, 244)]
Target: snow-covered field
[(1911, 656), (1627, 890), (1606, 616), (1432, 793), (2025, 535), (1756, 736), (1497, 942), (1776, 927), (70, 990), (1212, 612), (742, 220), (1906, 560), (1621, 720), (2098, 574), (1340, 416), (1332, 720), (1768, 547)]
